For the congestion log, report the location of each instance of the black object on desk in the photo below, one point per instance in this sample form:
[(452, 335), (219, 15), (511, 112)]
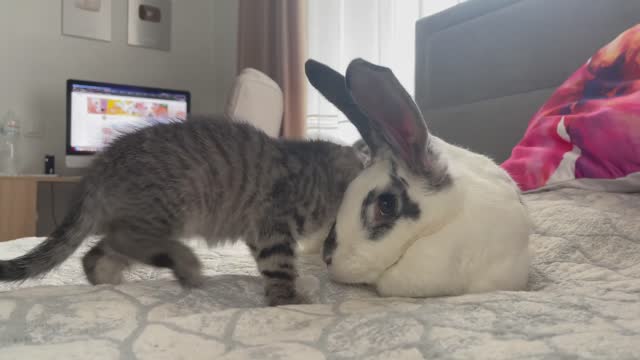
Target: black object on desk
[(49, 164)]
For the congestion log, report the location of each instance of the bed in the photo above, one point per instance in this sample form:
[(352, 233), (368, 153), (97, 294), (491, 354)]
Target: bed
[(582, 302), (584, 286)]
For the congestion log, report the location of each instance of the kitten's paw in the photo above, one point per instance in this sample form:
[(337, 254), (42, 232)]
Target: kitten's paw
[(277, 296), (103, 270), (105, 278), (112, 279), (294, 300), (308, 284)]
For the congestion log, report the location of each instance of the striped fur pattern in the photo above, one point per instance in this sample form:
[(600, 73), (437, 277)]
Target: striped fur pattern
[(210, 177)]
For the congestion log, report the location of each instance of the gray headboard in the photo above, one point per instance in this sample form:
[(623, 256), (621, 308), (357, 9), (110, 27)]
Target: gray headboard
[(484, 67)]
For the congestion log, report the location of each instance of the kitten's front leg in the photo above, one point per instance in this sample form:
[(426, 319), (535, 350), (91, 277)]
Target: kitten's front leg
[(275, 256)]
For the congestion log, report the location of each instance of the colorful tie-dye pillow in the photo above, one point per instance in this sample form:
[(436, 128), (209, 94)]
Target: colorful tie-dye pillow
[(588, 133)]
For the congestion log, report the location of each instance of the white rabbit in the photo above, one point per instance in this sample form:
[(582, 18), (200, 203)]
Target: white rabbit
[(425, 218)]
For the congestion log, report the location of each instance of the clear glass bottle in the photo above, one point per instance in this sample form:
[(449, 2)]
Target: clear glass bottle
[(9, 132)]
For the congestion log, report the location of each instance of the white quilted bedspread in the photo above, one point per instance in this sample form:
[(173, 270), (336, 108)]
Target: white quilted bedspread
[(583, 302)]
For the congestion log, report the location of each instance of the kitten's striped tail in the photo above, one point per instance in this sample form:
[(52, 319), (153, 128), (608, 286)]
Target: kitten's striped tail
[(62, 242)]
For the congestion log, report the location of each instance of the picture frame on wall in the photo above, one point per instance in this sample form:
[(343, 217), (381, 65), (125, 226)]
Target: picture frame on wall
[(150, 24), (89, 19)]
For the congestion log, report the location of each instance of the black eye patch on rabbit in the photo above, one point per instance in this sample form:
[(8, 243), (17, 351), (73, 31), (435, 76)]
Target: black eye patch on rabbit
[(382, 208)]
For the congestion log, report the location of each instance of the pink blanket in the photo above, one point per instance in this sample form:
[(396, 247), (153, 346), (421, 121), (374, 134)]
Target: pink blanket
[(589, 129)]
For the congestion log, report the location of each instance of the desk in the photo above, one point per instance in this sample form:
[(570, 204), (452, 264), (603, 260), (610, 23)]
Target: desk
[(19, 203)]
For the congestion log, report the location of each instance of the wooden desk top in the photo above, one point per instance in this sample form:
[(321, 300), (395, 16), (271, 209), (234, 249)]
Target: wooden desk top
[(43, 178)]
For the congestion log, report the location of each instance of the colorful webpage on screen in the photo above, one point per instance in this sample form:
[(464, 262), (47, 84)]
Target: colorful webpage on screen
[(99, 115)]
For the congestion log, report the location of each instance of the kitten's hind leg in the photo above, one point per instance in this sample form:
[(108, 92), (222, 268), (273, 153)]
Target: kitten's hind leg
[(275, 256), (103, 266), (157, 250)]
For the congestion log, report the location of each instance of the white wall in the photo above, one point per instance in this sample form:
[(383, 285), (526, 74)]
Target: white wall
[(36, 60), (225, 36)]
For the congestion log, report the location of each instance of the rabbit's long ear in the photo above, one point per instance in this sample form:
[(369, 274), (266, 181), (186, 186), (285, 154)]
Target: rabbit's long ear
[(392, 112), (332, 86)]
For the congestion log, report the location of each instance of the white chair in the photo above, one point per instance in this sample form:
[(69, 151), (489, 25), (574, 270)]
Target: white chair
[(258, 100)]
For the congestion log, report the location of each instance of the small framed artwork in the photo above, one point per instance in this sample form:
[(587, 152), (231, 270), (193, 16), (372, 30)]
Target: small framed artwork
[(90, 19), (150, 24)]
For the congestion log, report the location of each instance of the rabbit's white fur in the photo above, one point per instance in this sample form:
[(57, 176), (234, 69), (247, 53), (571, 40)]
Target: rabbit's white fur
[(470, 237), (424, 218)]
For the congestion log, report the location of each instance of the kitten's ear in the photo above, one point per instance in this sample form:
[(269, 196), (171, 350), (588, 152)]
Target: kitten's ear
[(392, 113), (332, 86), (362, 151)]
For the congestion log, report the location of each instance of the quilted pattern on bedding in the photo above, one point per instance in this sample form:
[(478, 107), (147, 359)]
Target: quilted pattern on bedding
[(584, 302)]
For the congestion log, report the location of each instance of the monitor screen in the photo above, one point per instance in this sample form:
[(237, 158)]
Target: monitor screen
[(99, 112)]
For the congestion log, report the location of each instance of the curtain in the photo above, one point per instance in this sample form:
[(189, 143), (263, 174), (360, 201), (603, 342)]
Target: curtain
[(272, 38), (380, 31)]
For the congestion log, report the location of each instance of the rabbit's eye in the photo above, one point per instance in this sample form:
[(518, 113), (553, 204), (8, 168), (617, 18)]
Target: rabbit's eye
[(387, 204)]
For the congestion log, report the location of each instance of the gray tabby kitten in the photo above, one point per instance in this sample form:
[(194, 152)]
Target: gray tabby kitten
[(208, 177)]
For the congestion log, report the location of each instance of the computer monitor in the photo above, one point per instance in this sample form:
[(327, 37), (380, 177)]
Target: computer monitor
[(99, 112)]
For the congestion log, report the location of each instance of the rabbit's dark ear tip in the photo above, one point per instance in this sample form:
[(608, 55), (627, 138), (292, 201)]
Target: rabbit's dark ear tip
[(361, 64), (310, 65)]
